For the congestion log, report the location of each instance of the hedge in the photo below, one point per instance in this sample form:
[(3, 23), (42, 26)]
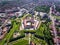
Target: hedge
[(14, 39)]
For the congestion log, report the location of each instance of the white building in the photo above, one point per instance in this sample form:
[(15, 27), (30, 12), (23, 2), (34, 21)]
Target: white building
[(42, 14), (2, 14), (36, 13), (20, 13)]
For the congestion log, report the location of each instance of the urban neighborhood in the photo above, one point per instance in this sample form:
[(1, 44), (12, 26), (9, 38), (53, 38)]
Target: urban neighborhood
[(30, 22)]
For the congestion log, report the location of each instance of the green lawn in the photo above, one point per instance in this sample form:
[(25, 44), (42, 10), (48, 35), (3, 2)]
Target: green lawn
[(21, 42), (11, 31)]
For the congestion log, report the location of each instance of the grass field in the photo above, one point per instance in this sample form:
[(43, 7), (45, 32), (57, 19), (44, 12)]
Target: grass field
[(21, 42)]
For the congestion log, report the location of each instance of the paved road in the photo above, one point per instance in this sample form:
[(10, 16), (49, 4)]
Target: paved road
[(5, 22), (3, 25), (54, 28)]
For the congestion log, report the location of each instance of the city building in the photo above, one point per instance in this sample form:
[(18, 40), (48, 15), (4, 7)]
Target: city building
[(30, 23)]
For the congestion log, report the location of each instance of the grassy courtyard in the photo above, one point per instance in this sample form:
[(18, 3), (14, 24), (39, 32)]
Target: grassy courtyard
[(19, 42)]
